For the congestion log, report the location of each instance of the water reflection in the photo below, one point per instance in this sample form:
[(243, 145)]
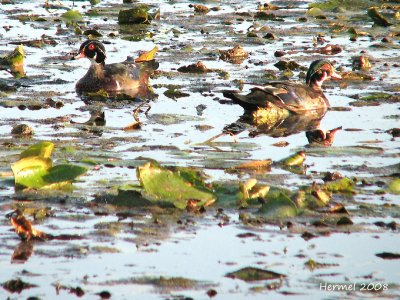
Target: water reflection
[(276, 124), (320, 137), (22, 252)]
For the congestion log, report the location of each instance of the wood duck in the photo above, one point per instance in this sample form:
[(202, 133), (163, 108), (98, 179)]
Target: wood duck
[(294, 97), (115, 77)]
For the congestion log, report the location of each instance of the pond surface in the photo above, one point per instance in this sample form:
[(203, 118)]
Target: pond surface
[(165, 253)]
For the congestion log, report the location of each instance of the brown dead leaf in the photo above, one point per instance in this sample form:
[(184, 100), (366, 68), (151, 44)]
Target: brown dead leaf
[(254, 165), (338, 209), (133, 126), (281, 144)]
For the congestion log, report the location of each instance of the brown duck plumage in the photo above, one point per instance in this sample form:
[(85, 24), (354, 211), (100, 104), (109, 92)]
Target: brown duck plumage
[(297, 98)]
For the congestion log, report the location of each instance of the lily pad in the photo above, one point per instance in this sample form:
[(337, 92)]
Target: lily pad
[(345, 151), (147, 56), (162, 184), (136, 15), (377, 17), (344, 185), (14, 59), (17, 285), (72, 16), (63, 172), (250, 274), (29, 172), (35, 169), (42, 149), (277, 206), (394, 186)]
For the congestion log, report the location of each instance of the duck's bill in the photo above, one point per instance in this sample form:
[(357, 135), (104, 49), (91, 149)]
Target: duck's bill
[(335, 75), (80, 55)]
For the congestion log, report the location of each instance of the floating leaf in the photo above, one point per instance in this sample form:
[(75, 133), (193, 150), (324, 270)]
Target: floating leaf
[(17, 285), (162, 184), (312, 264), (198, 67), (331, 5), (377, 17), (388, 255), (295, 159), (344, 185), (99, 95), (72, 16), (201, 9), (254, 165), (314, 12), (345, 151), (29, 171), (174, 94), (147, 56), (376, 96), (394, 186), (35, 170), (250, 274), (14, 59), (235, 55), (64, 172), (277, 206), (343, 221), (136, 15), (250, 190), (42, 149)]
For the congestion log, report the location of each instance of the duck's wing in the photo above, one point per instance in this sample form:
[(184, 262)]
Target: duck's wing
[(294, 97), (128, 75)]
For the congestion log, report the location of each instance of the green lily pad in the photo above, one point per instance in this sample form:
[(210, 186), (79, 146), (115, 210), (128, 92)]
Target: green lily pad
[(343, 4), (294, 160), (42, 149), (250, 274), (277, 206), (375, 96), (171, 119), (35, 169), (345, 151), (344, 185), (14, 59), (31, 176), (137, 15), (64, 172), (394, 186), (72, 16), (175, 186)]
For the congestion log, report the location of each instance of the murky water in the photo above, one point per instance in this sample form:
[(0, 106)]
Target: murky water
[(119, 255)]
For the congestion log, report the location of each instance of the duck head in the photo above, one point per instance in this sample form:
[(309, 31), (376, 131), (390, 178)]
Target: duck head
[(93, 50), (319, 71)]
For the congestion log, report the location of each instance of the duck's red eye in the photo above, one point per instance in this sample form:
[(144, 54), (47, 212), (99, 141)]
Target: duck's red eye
[(91, 47)]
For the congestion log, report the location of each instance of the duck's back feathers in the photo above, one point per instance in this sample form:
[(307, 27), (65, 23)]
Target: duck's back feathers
[(116, 77), (294, 97)]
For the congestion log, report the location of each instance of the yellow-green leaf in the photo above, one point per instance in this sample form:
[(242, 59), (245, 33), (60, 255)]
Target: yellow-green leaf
[(147, 56), (42, 149), (164, 185), (64, 172)]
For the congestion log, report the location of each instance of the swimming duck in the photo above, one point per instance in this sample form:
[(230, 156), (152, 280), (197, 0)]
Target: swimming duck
[(115, 77), (294, 97)]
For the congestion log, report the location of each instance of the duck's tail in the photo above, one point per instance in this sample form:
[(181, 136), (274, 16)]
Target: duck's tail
[(237, 98)]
